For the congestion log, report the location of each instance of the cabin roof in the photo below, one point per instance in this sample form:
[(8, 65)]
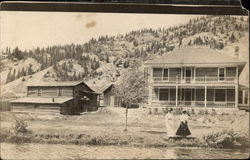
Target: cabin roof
[(91, 92), (108, 88), (42, 100), (195, 56), (56, 84)]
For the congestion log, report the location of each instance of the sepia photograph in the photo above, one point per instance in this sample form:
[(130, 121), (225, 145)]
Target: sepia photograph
[(96, 85)]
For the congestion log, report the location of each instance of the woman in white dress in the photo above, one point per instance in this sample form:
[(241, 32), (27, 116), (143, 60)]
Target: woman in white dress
[(170, 125)]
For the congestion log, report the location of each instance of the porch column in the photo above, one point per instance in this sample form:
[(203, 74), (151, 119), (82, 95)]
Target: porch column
[(236, 96), (176, 96), (150, 96), (194, 74), (181, 73), (243, 97), (205, 96)]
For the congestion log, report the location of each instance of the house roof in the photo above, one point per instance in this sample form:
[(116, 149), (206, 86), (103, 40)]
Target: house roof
[(56, 84), (42, 100), (195, 56), (242, 86)]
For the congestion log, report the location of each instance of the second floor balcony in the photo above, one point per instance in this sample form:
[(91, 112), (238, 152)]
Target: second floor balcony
[(194, 75), (200, 79)]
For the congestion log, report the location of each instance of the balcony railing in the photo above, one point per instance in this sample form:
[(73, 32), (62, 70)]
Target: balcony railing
[(204, 79)]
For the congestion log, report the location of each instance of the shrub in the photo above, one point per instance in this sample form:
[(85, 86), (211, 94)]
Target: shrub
[(19, 126), (213, 112), (149, 112), (206, 112), (192, 111), (163, 110), (201, 112), (225, 139), (155, 110)]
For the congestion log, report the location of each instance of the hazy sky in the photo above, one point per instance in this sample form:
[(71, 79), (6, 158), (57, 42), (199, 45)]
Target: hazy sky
[(32, 29)]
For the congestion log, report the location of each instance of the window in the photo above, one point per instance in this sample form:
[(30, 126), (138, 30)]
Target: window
[(163, 94), (246, 97), (39, 91), (210, 94), (231, 71), (157, 72), (165, 74), (60, 92), (221, 74), (240, 97), (193, 93), (230, 95), (220, 95), (172, 94)]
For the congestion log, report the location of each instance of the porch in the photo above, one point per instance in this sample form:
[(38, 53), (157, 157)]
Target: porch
[(194, 96)]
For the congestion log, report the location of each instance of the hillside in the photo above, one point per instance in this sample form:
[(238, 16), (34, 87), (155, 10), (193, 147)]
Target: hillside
[(104, 60)]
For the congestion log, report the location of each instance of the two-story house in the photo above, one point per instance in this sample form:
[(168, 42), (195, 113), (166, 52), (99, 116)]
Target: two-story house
[(69, 97), (198, 77)]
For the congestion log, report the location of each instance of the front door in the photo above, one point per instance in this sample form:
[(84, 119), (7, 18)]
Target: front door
[(188, 75), (188, 96)]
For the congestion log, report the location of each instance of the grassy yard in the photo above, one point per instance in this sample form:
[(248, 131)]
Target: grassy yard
[(106, 126)]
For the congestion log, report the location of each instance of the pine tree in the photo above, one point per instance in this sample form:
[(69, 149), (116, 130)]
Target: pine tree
[(30, 71), (13, 76), (107, 58), (232, 38), (8, 79)]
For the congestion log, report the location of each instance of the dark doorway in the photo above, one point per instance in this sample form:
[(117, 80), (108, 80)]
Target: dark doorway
[(188, 75), (188, 96)]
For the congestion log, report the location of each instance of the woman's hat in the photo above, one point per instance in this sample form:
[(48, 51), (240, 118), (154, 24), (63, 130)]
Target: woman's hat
[(183, 111), (170, 109)]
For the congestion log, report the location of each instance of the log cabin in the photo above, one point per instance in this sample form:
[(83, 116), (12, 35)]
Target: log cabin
[(109, 98), (71, 97), (194, 77)]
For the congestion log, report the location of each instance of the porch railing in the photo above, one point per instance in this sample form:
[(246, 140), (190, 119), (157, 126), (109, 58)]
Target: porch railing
[(203, 79), (194, 103)]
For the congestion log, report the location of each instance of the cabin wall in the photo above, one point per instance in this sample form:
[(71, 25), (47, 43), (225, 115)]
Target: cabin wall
[(50, 91), (27, 107), (69, 108), (106, 98)]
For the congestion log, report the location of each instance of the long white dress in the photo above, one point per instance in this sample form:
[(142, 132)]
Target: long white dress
[(170, 125)]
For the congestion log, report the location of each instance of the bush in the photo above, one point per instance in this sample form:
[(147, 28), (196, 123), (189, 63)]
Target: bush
[(19, 126), (206, 112), (201, 112), (226, 139), (213, 112), (149, 112), (192, 111), (155, 110)]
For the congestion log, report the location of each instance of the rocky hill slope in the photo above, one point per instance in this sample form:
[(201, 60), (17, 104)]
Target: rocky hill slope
[(104, 60)]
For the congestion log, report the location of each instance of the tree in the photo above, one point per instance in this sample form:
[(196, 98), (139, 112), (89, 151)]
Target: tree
[(232, 38), (132, 88), (107, 58), (8, 79)]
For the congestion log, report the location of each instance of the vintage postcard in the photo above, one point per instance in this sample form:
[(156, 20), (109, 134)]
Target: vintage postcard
[(102, 85)]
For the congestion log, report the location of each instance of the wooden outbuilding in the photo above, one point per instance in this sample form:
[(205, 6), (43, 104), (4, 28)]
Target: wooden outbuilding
[(72, 97)]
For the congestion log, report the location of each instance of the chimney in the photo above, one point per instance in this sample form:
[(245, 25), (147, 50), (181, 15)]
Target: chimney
[(236, 52)]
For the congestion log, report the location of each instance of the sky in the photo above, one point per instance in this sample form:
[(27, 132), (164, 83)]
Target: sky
[(31, 29)]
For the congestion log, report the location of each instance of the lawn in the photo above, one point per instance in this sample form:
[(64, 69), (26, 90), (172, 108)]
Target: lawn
[(106, 126)]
